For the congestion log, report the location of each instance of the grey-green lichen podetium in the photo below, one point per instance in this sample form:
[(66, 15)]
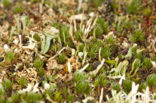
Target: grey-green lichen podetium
[(47, 35)]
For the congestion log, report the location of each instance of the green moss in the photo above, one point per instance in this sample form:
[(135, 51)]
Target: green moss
[(101, 80), (7, 85), (93, 47), (89, 68), (61, 59), (147, 63), (81, 47), (15, 98), (106, 51), (101, 27), (36, 37), (99, 31), (142, 86), (18, 9), (38, 63), (10, 56), (22, 81), (116, 86), (137, 36), (97, 3), (70, 98), (147, 12), (127, 85), (32, 97), (2, 96), (79, 76), (110, 40), (57, 96), (128, 25), (134, 7), (83, 87), (6, 3), (40, 71), (151, 80), (78, 35)]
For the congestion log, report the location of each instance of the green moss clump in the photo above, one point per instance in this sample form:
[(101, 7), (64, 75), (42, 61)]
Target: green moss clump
[(101, 27), (61, 59), (32, 97), (134, 7), (17, 9), (93, 47), (116, 86), (22, 81), (36, 37), (7, 85), (151, 80), (78, 35), (137, 36), (97, 3), (81, 47), (110, 40), (79, 76), (70, 98), (147, 12), (10, 56), (142, 86), (147, 63), (127, 85), (83, 87), (6, 3), (106, 51), (15, 98), (89, 68), (58, 96), (101, 81), (38, 63)]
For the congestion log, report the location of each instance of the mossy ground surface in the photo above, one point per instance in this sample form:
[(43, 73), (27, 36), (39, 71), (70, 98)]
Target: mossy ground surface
[(82, 51)]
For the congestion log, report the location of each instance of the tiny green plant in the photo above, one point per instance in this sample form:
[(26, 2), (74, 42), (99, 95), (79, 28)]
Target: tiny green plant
[(106, 51), (137, 36), (70, 98), (83, 87), (61, 59), (151, 80), (134, 6), (58, 96), (7, 85), (9, 57), (38, 63), (97, 3), (101, 27), (6, 3), (116, 86), (32, 97), (142, 86), (147, 63), (110, 40), (147, 12), (17, 9), (79, 76), (36, 37), (127, 85), (22, 82), (101, 80), (15, 98)]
